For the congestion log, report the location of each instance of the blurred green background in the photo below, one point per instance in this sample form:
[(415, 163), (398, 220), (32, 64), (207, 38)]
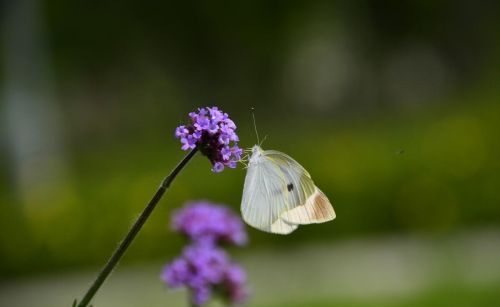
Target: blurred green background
[(392, 106)]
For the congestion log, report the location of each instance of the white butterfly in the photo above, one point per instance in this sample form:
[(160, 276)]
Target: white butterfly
[(279, 194)]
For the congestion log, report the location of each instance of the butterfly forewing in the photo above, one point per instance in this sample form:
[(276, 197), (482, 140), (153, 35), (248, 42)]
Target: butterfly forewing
[(262, 203), (299, 185)]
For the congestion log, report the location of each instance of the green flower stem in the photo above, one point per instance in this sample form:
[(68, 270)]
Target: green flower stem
[(120, 250)]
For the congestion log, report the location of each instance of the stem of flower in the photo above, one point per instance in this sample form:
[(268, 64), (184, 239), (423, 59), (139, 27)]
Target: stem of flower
[(120, 250)]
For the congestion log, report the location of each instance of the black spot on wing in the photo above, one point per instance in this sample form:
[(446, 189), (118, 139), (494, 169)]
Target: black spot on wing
[(290, 187)]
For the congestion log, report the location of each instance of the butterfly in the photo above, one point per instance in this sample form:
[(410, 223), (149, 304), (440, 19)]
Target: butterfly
[(279, 194)]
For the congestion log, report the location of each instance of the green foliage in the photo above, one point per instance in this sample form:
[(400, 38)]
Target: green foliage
[(446, 178)]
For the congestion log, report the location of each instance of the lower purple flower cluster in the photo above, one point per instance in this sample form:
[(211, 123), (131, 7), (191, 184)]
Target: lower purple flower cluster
[(204, 267), (213, 133)]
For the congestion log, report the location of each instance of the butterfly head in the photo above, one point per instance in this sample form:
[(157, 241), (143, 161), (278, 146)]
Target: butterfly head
[(256, 153)]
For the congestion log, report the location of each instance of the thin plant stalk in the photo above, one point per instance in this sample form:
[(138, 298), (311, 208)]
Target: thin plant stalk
[(136, 227)]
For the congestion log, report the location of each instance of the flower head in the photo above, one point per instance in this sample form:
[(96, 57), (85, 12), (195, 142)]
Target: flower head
[(206, 269), (198, 268), (212, 132), (198, 265), (209, 223)]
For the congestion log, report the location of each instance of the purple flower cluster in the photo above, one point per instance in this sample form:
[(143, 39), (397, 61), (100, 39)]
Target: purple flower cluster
[(204, 268), (213, 133), (209, 223)]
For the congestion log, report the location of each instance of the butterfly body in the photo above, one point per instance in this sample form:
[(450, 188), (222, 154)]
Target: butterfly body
[(279, 194)]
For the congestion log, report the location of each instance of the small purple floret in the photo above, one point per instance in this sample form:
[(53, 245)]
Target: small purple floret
[(226, 153), (181, 132), (188, 142), (218, 167), (212, 132)]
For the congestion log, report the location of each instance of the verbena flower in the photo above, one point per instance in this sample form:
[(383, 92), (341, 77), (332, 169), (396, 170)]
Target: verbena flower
[(206, 222), (204, 268), (213, 133), (207, 270), (199, 265)]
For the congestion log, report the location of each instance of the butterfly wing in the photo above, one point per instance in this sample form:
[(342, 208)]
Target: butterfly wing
[(262, 202), (279, 194), (307, 204)]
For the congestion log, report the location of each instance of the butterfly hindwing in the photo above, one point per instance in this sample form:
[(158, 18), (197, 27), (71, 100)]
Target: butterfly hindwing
[(317, 209), (307, 203)]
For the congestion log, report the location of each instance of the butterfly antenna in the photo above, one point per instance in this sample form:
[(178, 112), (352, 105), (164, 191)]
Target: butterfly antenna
[(255, 125), (262, 142)]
